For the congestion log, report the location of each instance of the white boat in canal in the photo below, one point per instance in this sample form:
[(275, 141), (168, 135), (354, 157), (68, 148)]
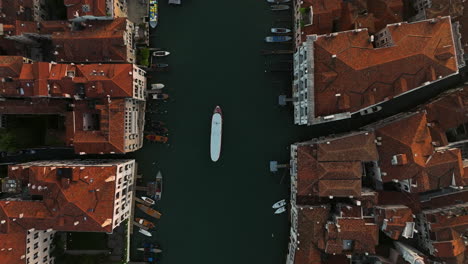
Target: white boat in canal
[(280, 210), (157, 86), (280, 30), (144, 232), (159, 186), (148, 200), (216, 131), (279, 204), (161, 53)]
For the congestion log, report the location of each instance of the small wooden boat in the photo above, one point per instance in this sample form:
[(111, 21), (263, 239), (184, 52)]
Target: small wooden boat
[(271, 39), (159, 96), (145, 223), (279, 204), (157, 86), (280, 210), (144, 232), (278, 1), (156, 138), (161, 53), (149, 211), (280, 30), (279, 7), (148, 200), (159, 186)]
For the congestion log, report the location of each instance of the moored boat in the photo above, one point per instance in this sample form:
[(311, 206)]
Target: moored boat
[(161, 65), (157, 86), (149, 211), (216, 133), (153, 250), (156, 138), (279, 204), (144, 232), (159, 96), (148, 200), (161, 53), (280, 210), (153, 13), (145, 223), (279, 7), (159, 186), (278, 1), (277, 38), (280, 30)]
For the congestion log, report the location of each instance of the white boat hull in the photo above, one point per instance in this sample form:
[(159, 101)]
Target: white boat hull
[(144, 232), (279, 204), (216, 132), (280, 210)]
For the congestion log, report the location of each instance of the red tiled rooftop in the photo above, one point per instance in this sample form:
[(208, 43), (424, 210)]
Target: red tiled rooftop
[(379, 73), (101, 40), (311, 231), (333, 168), (83, 203), (364, 236), (79, 7)]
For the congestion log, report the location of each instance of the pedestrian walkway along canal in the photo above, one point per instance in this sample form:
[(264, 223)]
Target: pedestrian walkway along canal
[(219, 212)]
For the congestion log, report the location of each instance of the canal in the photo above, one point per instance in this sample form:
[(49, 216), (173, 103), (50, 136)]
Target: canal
[(221, 212)]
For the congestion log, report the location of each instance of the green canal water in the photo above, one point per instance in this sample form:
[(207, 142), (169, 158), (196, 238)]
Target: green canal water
[(221, 212)]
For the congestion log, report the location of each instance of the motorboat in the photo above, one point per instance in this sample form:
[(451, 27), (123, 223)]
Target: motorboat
[(153, 13), (279, 7), (148, 200), (278, 1), (277, 38), (279, 204), (149, 211), (159, 96), (156, 138), (157, 86), (161, 65), (216, 131), (144, 232), (159, 186), (280, 210), (145, 223), (152, 250), (161, 53), (280, 30)]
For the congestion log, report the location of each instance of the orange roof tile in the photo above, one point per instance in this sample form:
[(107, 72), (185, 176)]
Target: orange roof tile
[(378, 70)]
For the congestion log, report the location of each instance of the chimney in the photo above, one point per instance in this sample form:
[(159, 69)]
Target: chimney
[(399, 159)]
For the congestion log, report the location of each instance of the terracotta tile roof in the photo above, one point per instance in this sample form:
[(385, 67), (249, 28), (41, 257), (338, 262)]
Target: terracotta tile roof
[(85, 8), (311, 233), (456, 9), (99, 41), (395, 218), (331, 177), (333, 16), (362, 147), (110, 137), (447, 226), (362, 236), (12, 10), (13, 247), (379, 73), (10, 66), (83, 202)]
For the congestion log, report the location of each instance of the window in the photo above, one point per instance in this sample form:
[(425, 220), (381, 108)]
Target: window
[(36, 245), (36, 235)]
